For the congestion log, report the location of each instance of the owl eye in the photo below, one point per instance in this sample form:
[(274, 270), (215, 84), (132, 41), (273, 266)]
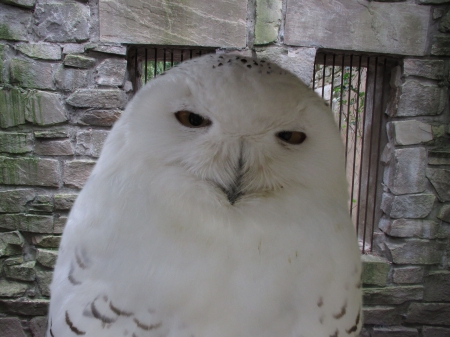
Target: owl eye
[(191, 120), (292, 137)]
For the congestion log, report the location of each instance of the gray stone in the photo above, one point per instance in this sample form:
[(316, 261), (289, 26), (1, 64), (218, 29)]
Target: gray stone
[(406, 171), (268, 21), (29, 171), (60, 223), (197, 23), (374, 27), (42, 203), (76, 172), (32, 74), (11, 327), (73, 48), (54, 148), (98, 98), (79, 61), (71, 78), (433, 69), (444, 213), (111, 72), (14, 23), (90, 143), (12, 261), (12, 288), (20, 3), (45, 108), (421, 99), (46, 241), (299, 61), (27, 222), (431, 331), (408, 275), (414, 251), (12, 238), (26, 306), (38, 326), (52, 133), (6, 53), (439, 156), (46, 257), (44, 51), (403, 228), (375, 270), (15, 201), (44, 279), (8, 250), (437, 286), (429, 313), (440, 179), (381, 315), (21, 272), (407, 206), (433, 2), (399, 331), (99, 117), (438, 12), (409, 132), (392, 295), (62, 21), (441, 46), (64, 202), (444, 25), (12, 107), (16, 142), (111, 49)]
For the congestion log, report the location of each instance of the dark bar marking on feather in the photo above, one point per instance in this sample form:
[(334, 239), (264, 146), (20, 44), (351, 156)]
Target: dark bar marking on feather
[(51, 333), (119, 312), (342, 313), (71, 278), (146, 327), (99, 316), (72, 327), (80, 262), (336, 333)]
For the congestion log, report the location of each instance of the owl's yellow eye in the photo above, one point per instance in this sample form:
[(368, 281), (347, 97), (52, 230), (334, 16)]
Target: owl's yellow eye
[(191, 120), (292, 137)]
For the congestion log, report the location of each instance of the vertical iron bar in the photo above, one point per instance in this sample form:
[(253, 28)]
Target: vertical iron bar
[(190, 54), (146, 59), (323, 73), (164, 59), (332, 82), (342, 90), (171, 58), (348, 107), (136, 68), (156, 62), (314, 74), (182, 55)]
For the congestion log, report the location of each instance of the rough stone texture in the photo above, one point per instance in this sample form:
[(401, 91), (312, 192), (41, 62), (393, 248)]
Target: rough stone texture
[(433, 69), (440, 179), (439, 156), (14, 201), (11, 327), (111, 49), (62, 21), (12, 288), (46, 257), (27, 222), (409, 132), (26, 307), (90, 143), (381, 315), (44, 279), (421, 99), (70, 79), (406, 171), (64, 202), (198, 23), (407, 206), (46, 241), (29, 171), (12, 107), (429, 313), (52, 133), (375, 270), (392, 295), (45, 108), (13, 238), (60, 223), (20, 3), (98, 98), (14, 23), (38, 326), (16, 142), (399, 331), (44, 51), (444, 25), (403, 228), (21, 272), (437, 286), (433, 2), (444, 213), (111, 72), (268, 21), (79, 61), (42, 203), (99, 117), (408, 275), (398, 28), (414, 251), (54, 148), (428, 331), (441, 46), (77, 172), (32, 74)]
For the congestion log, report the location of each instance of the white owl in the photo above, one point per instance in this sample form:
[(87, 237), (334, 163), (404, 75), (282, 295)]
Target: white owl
[(218, 208)]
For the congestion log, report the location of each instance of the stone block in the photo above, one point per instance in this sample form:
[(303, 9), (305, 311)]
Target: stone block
[(111, 72), (407, 206), (406, 171), (12, 288), (299, 61), (433, 2), (6, 53), (32, 74), (408, 275), (12, 238), (44, 51), (45, 108), (79, 61), (444, 213), (90, 143), (437, 286), (29, 171), (433, 69), (76, 172), (60, 223), (21, 272), (16, 142), (25, 306), (419, 98), (11, 327), (429, 313), (73, 48), (46, 241), (111, 49), (373, 27), (44, 279), (42, 203), (51, 133), (381, 315), (70, 79), (441, 45), (403, 228), (444, 25), (409, 132), (64, 202), (432, 331), (414, 251), (440, 179), (38, 326), (12, 261), (14, 23), (268, 21), (8, 250), (27, 223), (20, 3), (12, 107), (99, 117), (98, 98), (399, 331), (375, 270), (46, 257), (439, 156), (197, 23), (54, 148), (15, 201), (62, 21), (392, 295)]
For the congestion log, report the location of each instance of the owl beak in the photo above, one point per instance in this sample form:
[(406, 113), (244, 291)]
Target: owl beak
[(234, 190)]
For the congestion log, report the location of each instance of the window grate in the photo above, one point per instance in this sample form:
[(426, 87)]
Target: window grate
[(356, 88)]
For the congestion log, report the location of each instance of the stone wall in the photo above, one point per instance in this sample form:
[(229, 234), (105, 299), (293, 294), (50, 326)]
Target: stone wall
[(64, 82)]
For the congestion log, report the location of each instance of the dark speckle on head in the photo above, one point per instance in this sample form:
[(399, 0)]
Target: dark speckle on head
[(229, 61), (214, 67), (220, 64), (244, 61), (249, 65), (220, 57), (255, 63)]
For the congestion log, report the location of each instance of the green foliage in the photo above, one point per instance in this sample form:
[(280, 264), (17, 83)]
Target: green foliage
[(160, 68)]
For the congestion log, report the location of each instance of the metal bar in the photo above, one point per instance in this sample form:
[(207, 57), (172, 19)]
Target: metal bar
[(136, 75), (332, 82), (164, 59), (323, 73), (348, 106), (342, 90), (314, 74), (190, 54), (155, 62), (146, 60), (171, 58)]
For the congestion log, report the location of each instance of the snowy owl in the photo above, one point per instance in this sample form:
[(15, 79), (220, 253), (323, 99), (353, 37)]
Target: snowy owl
[(218, 208)]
